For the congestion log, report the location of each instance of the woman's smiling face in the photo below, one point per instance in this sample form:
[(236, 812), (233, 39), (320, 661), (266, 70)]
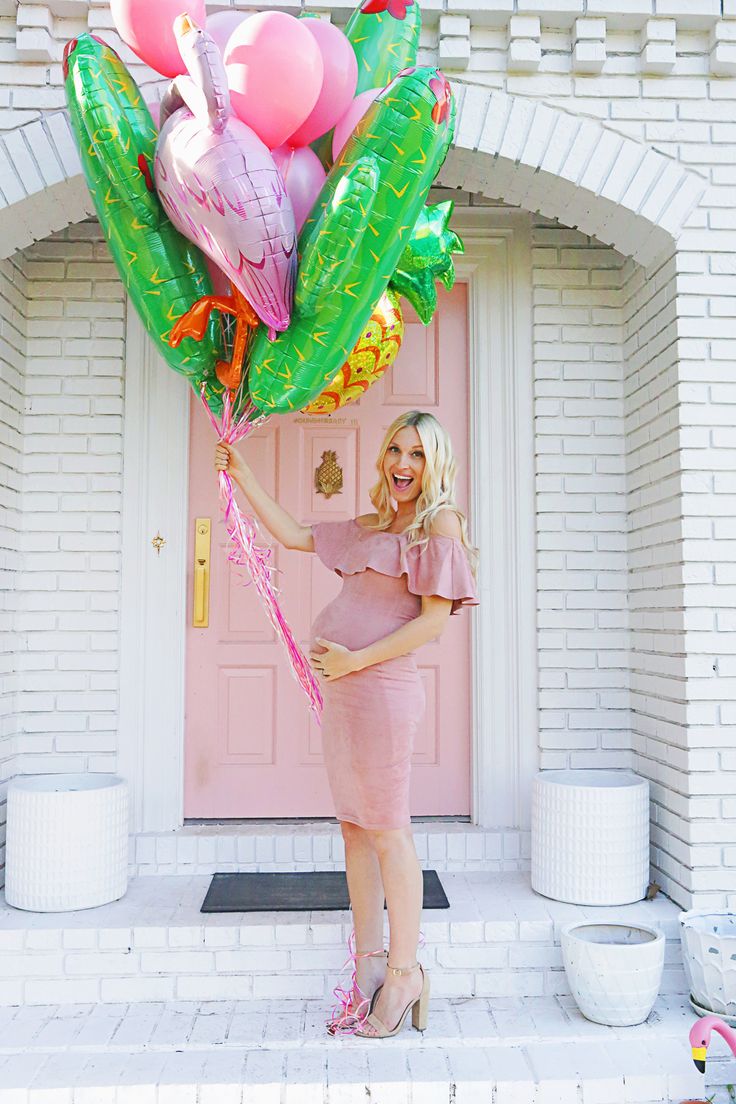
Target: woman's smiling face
[(403, 464)]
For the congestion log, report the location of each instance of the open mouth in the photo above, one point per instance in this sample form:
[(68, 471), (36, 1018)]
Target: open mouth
[(401, 482)]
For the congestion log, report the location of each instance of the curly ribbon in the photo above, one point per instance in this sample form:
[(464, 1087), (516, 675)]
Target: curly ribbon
[(242, 530), (352, 1006)]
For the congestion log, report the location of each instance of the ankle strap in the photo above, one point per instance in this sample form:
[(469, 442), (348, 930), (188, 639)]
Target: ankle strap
[(371, 954), (397, 972)]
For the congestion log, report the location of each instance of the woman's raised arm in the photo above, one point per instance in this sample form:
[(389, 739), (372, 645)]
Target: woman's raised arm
[(275, 518)]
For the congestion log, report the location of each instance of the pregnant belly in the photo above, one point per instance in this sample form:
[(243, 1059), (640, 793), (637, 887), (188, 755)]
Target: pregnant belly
[(355, 627)]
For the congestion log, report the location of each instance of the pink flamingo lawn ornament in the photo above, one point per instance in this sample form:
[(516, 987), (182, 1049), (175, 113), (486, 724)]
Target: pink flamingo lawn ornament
[(700, 1034), (220, 187)]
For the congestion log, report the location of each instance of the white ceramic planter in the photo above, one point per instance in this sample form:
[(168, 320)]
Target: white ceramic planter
[(590, 836), (614, 970), (708, 940), (67, 841)]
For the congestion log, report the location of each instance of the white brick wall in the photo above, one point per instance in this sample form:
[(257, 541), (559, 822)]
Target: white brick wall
[(636, 666), (13, 309), (581, 501), (707, 392), (655, 556), (68, 596)]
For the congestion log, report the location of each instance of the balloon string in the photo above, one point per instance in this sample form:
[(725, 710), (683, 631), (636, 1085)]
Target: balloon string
[(242, 530)]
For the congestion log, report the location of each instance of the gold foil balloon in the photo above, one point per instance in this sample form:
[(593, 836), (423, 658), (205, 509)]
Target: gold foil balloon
[(374, 352)]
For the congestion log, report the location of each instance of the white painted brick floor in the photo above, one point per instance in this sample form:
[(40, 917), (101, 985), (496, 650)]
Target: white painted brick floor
[(536, 1050), (316, 845), (497, 939)]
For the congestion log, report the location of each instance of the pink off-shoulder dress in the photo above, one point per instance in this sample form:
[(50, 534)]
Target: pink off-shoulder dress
[(370, 716)]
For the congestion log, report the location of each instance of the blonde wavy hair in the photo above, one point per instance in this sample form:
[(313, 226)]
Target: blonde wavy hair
[(438, 482)]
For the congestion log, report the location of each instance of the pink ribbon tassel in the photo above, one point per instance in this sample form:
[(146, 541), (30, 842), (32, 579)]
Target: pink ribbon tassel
[(244, 552)]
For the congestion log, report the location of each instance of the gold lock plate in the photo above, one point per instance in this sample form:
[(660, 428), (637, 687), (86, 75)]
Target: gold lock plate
[(201, 605)]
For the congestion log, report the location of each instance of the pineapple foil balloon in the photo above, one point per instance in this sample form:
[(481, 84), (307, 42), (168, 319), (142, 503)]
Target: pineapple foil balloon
[(373, 354)]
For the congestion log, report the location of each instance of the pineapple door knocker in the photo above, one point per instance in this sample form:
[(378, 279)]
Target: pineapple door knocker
[(328, 476)]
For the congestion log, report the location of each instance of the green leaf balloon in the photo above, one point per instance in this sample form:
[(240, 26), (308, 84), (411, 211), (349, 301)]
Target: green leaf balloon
[(162, 272), (427, 258), (352, 241)]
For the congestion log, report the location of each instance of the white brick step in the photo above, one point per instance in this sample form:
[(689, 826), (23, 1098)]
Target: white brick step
[(316, 845), (511, 1051), (497, 939)]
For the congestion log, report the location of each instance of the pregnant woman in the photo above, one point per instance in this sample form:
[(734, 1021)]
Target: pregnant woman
[(405, 569)]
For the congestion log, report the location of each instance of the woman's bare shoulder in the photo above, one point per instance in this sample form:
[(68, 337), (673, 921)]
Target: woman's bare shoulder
[(367, 519), (446, 523)]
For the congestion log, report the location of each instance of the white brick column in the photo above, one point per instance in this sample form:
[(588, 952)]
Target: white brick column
[(705, 284), (67, 618), (12, 394), (656, 654), (582, 580), (680, 412)]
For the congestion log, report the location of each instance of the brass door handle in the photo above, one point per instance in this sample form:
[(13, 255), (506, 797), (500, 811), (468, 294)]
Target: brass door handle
[(201, 605)]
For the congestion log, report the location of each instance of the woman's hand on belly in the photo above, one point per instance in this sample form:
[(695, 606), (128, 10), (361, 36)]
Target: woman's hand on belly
[(333, 661)]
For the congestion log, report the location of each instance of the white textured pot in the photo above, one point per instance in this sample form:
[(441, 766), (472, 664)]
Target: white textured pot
[(67, 841), (708, 940), (590, 836), (614, 970)]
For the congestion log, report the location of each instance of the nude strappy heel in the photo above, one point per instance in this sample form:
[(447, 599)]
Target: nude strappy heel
[(419, 1008), (352, 1006)]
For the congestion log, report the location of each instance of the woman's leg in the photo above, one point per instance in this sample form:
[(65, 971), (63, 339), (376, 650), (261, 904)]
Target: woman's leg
[(366, 900), (402, 881)]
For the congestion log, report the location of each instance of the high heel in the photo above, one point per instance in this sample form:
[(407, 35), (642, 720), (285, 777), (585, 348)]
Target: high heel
[(419, 1009), (353, 1006)]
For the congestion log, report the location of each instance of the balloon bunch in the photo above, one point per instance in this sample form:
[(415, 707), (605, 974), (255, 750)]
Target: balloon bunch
[(266, 231), (162, 273)]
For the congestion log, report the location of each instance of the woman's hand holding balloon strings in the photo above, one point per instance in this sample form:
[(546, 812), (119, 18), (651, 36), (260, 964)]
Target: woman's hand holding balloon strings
[(228, 459)]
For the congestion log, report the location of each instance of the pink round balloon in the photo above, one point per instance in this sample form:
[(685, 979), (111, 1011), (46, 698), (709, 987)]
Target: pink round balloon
[(147, 27), (303, 176), (222, 24), (274, 70), (338, 83), (347, 124)]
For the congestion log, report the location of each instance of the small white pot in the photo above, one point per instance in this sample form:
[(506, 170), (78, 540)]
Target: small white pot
[(614, 970), (708, 939)]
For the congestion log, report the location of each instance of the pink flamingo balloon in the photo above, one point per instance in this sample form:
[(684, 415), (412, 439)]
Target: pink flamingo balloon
[(700, 1034), (220, 187)]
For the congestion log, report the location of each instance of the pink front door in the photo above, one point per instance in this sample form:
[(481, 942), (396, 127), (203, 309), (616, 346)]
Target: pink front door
[(252, 748)]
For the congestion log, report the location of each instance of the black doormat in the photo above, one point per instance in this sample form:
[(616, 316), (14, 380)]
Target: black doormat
[(323, 890)]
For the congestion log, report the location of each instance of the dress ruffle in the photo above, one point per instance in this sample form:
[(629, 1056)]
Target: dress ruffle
[(439, 567)]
